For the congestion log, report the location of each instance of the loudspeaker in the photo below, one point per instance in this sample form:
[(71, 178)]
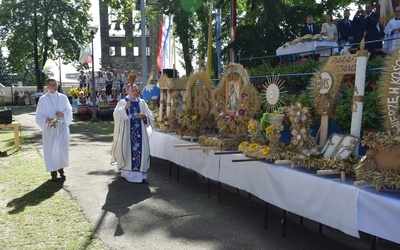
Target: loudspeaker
[(170, 73), (5, 116)]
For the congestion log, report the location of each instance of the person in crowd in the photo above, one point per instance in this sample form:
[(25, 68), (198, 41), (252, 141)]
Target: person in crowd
[(124, 80), (16, 97), (109, 80), (114, 97), (21, 98), (346, 29), (89, 100), (27, 98), (328, 28), (32, 98), (103, 97), (366, 22), (82, 79), (310, 27), (100, 79), (2, 98), (132, 129), (38, 94), (53, 116), (117, 76), (82, 98), (392, 31)]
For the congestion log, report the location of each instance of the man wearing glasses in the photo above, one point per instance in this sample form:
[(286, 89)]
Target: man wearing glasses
[(392, 31), (53, 116)]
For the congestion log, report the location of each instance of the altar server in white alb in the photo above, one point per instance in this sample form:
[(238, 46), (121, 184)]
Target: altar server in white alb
[(392, 31), (54, 115), (132, 129)]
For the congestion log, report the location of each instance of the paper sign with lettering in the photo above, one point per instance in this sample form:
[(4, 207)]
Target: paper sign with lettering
[(345, 64)]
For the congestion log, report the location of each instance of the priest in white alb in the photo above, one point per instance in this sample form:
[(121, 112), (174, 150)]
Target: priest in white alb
[(132, 129), (392, 31), (53, 116)]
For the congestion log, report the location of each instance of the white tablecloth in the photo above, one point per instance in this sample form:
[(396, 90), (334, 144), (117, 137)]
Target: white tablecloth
[(300, 48), (324, 199), (204, 162), (379, 213)]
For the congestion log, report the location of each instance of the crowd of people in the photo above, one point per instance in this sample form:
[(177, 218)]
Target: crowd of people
[(349, 33), (27, 98), (108, 79)]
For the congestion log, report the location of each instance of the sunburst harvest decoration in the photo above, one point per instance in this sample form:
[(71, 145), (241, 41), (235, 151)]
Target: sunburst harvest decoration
[(195, 118), (270, 125), (235, 102), (273, 90)]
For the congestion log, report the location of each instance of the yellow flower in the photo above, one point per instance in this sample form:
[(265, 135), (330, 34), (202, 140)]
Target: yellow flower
[(250, 127), (269, 129), (194, 117), (186, 116), (265, 150), (291, 117), (242, 145), (275, 112), (253, 147)]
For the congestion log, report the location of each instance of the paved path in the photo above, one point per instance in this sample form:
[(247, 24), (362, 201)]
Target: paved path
[(167, 214)]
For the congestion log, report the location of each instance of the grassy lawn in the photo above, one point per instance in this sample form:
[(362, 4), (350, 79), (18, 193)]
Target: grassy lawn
[(37, 214)]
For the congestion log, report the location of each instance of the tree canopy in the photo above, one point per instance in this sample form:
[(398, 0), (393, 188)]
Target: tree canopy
[(32, 31)]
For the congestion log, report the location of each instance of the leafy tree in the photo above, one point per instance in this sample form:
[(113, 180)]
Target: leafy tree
[(33, 30)]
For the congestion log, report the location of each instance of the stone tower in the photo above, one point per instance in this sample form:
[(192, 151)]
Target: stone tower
[(115, 53)]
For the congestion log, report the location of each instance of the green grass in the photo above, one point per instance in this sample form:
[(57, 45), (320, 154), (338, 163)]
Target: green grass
[(36, 213), (100, 127)]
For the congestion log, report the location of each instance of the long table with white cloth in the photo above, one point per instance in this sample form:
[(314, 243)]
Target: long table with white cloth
[(325, 199), (307, 48)]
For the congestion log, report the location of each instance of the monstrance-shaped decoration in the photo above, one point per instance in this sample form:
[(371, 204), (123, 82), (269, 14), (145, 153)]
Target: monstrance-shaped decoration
[(273, 90)]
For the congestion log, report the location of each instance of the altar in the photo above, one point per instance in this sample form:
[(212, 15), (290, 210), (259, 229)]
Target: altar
[(307, 48), (325, 199)]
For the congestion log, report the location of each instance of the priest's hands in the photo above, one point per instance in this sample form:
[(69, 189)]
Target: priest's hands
[(128, 105), (140, 116), (59, 114)]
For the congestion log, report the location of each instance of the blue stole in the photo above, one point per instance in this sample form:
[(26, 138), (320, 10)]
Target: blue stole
[(135, 134)]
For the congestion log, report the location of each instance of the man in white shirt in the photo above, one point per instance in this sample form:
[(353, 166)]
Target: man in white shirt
[(392, 31)]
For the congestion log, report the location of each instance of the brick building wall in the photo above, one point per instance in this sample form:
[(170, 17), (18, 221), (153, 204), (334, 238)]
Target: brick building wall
[(113, 38)]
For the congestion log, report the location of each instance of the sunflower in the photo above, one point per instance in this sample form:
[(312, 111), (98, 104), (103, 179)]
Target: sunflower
[(269, 129), (250, 127), (253, 147), (265, 150), (242, 145)]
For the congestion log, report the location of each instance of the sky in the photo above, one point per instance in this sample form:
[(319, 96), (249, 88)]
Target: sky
[(94, 11)]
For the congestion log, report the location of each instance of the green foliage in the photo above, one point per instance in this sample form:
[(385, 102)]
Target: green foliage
[(371, 119), (297, 90), (293, 84), (33, 30)]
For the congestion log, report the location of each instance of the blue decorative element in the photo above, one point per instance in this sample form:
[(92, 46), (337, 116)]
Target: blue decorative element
[(151, 92), (136, 139)]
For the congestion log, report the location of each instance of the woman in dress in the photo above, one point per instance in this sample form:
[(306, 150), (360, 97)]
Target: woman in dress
[(328, 28)]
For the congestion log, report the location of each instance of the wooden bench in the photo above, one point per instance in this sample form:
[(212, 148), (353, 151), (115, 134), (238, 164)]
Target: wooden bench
[(16, 126)]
